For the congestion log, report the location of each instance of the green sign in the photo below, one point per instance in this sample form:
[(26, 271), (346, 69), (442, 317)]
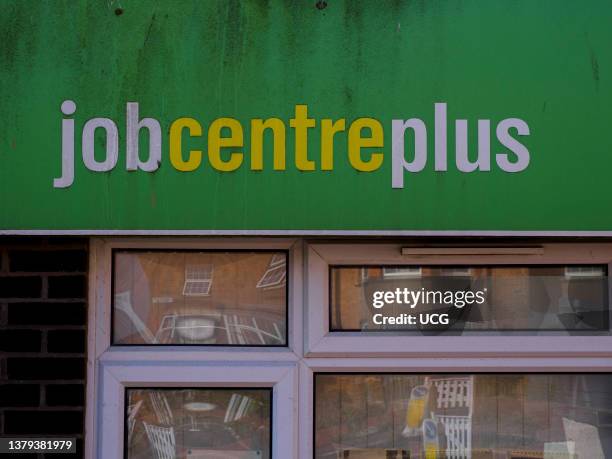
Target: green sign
[(307, 116)]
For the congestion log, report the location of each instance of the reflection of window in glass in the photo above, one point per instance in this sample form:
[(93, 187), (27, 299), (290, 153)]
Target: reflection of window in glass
[(198, 423), (460, 299), (484, 416), (198, 280), (395, 271), (166, 297), (276, 274), (459, 271), (584, 271)]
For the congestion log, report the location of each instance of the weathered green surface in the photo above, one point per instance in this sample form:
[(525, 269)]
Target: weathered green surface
[(547, 62)]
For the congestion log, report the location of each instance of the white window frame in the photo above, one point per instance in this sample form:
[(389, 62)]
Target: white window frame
[(196, 280), (112, 369), (320, 342)]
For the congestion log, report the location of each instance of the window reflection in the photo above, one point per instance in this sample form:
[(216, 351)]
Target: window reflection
[(516, 298), (484, 416), (198, 423), (200, 298)]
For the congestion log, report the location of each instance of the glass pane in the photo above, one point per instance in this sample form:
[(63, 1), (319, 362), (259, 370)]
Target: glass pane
[(463, 299), (483, 416), (198, 423), (202, 298)]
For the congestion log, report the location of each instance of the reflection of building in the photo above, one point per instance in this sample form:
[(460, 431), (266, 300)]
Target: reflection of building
[(204, 195), (199, 424), (198, 280), (485, 416), (276, 274), (516, 298), (191, 298)]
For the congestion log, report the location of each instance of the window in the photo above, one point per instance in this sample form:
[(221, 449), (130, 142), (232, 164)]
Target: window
[(198, 280), (190, 358), (190, 423), (276, 274), (199, 298), (487, 296), (553, 298), (485, 416), (337, 388), (185, 406)]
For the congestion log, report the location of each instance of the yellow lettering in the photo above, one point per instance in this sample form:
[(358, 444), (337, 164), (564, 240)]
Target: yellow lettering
[(216, 142), (278, 131), (301, 123), (328, 129), (176, 154), (356, 142)]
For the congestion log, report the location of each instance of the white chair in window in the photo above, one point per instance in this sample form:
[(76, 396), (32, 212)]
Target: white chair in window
[(243, 329), (132, 412), (222, 454), (456, 394), (161, 407), (238, 407), (162, 441)]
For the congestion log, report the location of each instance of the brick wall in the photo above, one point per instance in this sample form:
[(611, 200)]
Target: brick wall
[(43, 317)]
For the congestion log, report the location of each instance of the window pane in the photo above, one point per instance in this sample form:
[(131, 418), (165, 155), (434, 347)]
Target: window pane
[(483, 416), (200, 298), (460, 299), (198, 423)]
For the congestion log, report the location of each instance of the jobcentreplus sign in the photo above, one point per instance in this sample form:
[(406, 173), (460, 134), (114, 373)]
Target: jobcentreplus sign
[(227, 152)]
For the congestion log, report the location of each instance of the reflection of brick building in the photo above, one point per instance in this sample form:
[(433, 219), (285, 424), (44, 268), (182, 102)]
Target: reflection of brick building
[(517, 298), (225, 423), (510, 416), (192, 291)]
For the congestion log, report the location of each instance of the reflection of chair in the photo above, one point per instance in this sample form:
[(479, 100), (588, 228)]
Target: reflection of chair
[(162, 441), (132, 411), (207, 329), (373, 453), (161, 407), (238, 407), (454, 392), (200, 453), (456, 395), (243, 329), (458, 431)]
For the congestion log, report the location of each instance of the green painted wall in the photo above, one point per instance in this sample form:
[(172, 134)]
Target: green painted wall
[(546, 62)]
